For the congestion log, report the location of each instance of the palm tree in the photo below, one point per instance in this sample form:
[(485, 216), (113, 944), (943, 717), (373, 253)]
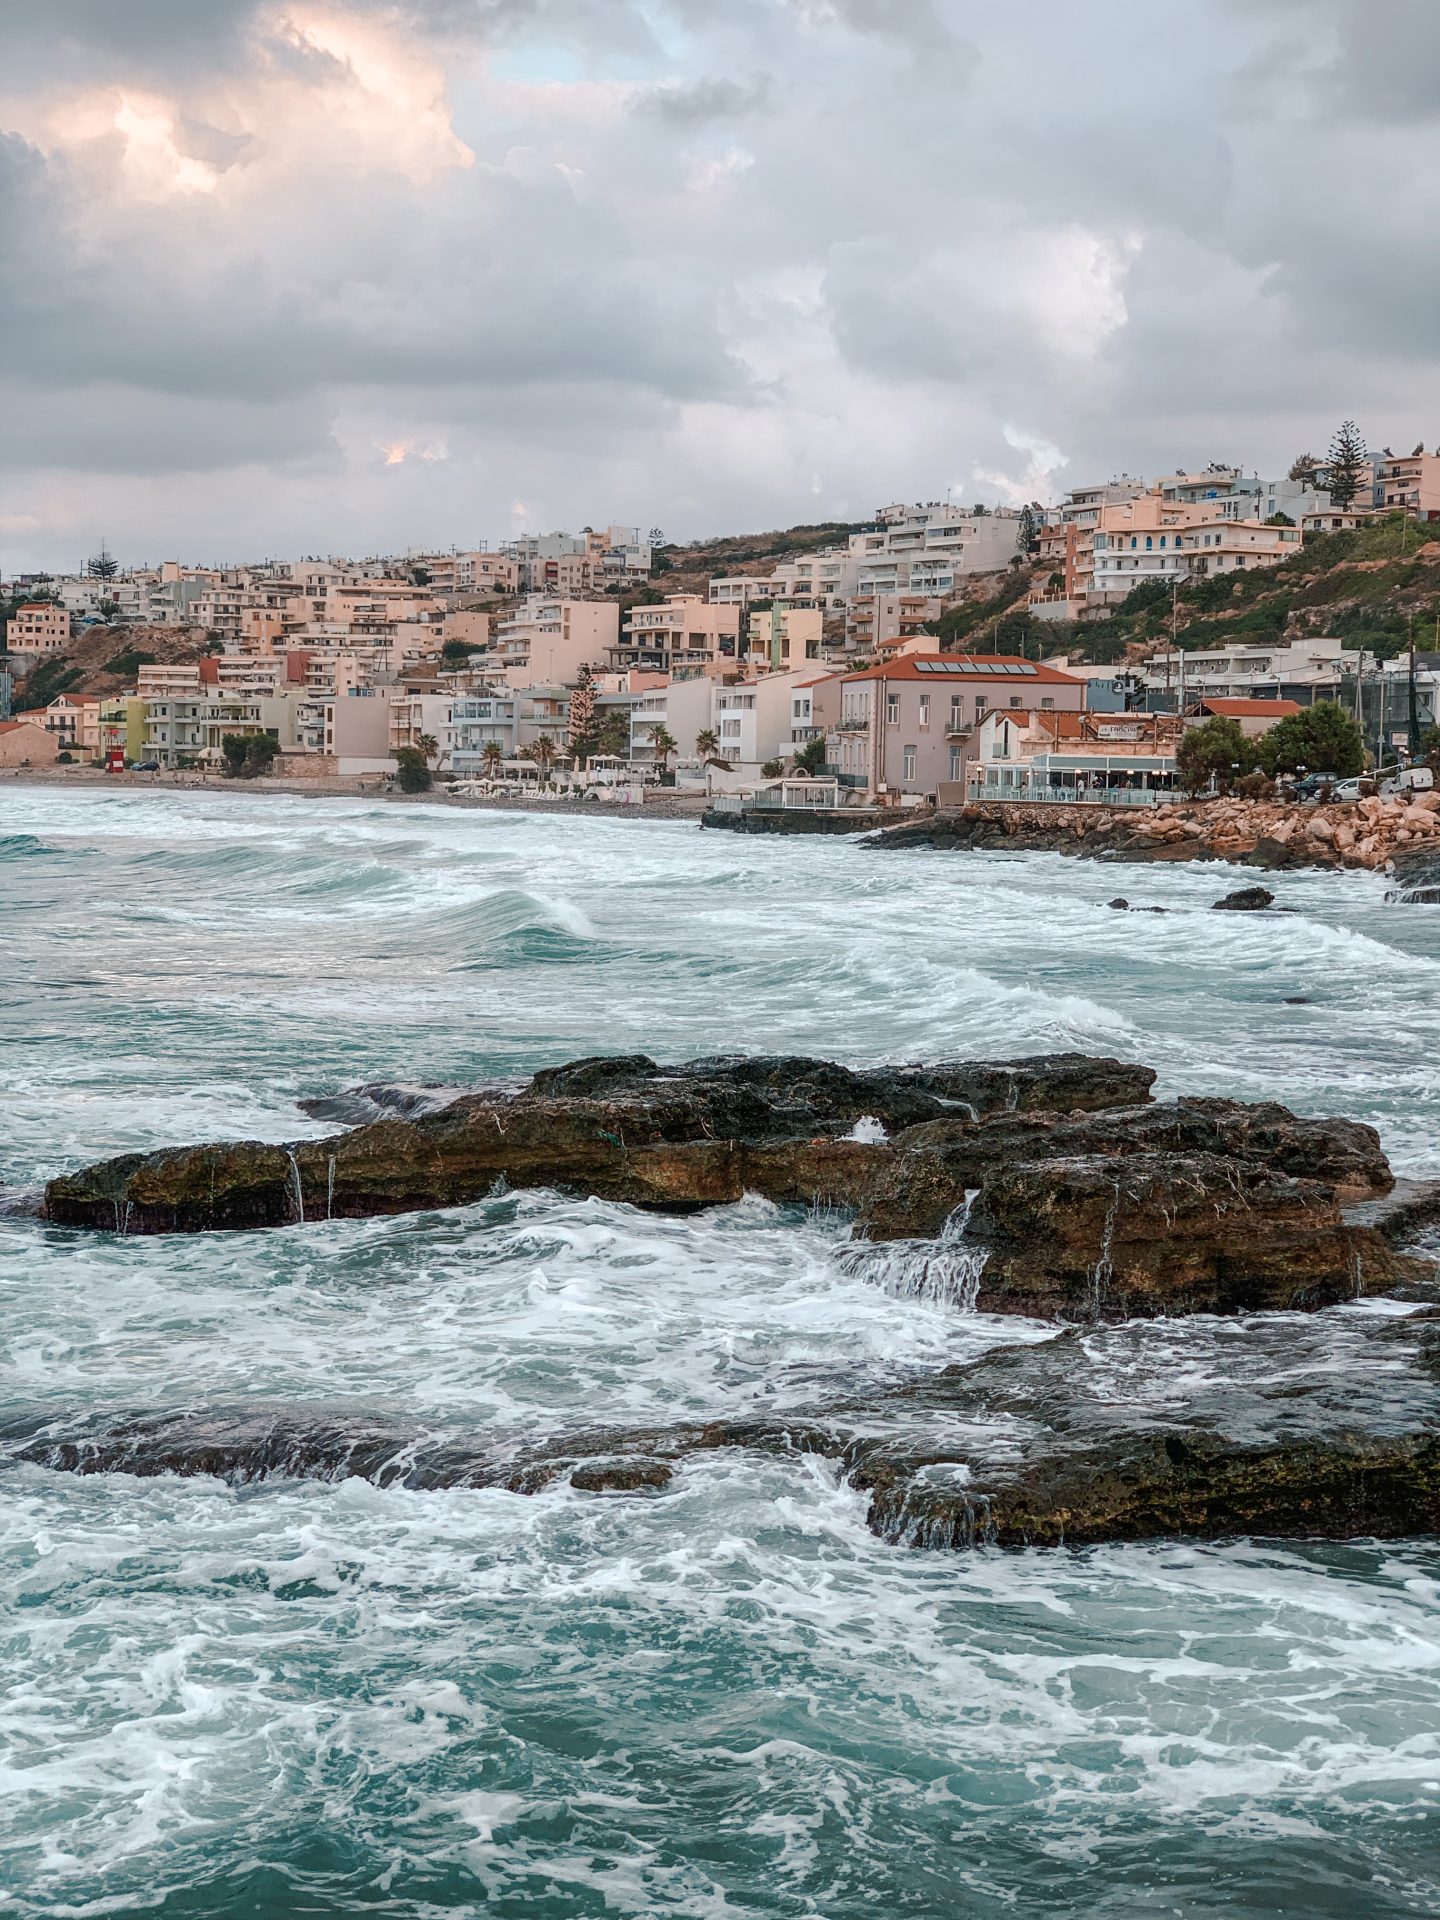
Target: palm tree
[(663, 742), (492, 758), (428, 747), (542, 752), (706, 744)]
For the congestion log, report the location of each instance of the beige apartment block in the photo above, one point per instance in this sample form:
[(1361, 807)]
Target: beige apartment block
[(780, 637), (38, 627), (685, 634), (549, 641)]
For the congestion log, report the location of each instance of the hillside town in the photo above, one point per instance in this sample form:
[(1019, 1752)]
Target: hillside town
[(938, 653)]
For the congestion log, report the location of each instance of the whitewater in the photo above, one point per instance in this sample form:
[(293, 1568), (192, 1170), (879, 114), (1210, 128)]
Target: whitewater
[(728, 1697)]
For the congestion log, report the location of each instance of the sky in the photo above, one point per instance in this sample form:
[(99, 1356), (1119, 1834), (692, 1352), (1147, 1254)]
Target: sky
[(358, 276)]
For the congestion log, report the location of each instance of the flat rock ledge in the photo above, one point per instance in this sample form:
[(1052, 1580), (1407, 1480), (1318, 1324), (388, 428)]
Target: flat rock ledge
[(1325, 1426), (1051, 1186)]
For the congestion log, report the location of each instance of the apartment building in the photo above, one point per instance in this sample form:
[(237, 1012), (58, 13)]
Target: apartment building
[(931, 548), (782, 636), (549, 640), (1410, 481), (908, 724), (875, 622), (739, 590), (193, 726), (1315, 668), (74, 719), (1148, 540), (38, 626), (684, 634)]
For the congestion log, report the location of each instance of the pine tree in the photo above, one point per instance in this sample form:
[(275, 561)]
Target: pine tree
[(1346, 464), (104, 566), (1029, 530), (582, 712)]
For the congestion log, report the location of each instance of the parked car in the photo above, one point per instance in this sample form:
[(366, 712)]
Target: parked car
[(1353, 789), (1410, 780), (147, 766), (1314, 786)]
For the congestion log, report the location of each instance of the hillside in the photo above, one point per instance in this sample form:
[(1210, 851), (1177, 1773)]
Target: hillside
[(688, 569), (1365, 586), (104, 660)]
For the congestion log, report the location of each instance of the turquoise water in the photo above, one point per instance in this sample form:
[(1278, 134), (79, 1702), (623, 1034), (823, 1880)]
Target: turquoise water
[(728, 1698)]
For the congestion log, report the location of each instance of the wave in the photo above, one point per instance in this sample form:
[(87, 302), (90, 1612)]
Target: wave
[(25, 846)]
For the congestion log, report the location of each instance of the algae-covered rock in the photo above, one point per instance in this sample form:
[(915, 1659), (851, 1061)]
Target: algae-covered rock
[(1323, 1426)]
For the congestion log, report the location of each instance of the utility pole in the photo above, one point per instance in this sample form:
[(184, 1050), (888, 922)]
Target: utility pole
[(1412, 717)]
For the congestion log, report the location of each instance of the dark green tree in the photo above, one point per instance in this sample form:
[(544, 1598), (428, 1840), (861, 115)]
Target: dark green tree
[(234, 747), (811, 756), (1215, 750), (1029, 530), (103, 566), (1345, 464), (1322, 739), (412, 775)]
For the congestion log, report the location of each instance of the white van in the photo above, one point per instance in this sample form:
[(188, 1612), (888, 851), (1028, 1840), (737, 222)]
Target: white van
[(1417, 779)]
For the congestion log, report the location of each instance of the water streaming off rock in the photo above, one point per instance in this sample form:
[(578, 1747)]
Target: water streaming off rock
[(726, 1697)]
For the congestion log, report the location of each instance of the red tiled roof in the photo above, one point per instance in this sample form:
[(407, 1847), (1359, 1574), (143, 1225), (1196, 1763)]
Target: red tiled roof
[(998, 666), (9, 726), (1251, 709)]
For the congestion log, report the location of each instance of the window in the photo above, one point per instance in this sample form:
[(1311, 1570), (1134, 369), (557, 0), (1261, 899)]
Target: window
[(1149, 543), (957, 709), (892, 709), (924, 709), (981, 703), (1015, 700), (1047, 704), (955, 763), (909, 773)]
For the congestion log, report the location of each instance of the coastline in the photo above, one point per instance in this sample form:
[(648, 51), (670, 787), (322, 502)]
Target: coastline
[(664, 805)]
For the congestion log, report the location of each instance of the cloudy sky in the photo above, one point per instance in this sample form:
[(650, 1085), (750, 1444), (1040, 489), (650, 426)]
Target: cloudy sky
[(288, 276)]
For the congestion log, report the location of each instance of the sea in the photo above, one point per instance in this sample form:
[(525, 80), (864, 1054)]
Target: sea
[(727, 1698)]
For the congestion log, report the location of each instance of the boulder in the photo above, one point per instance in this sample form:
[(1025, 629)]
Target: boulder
[(935, 1166), (1245, 900), (1151, 1234)]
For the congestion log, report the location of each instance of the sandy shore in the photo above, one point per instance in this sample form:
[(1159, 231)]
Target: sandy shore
[(661, 804)]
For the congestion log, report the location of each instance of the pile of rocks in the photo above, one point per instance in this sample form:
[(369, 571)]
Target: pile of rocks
[(1366, 834), (1372, 834)]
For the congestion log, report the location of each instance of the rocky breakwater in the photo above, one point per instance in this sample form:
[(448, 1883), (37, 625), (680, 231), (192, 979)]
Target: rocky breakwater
[(1371, 834), (1051, 1185)]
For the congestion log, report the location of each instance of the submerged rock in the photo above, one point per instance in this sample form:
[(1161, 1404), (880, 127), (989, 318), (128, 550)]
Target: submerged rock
[(1322, 1427)]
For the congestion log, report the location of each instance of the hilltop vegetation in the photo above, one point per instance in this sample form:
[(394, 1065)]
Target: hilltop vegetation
[(1366, 586), (104, 660)]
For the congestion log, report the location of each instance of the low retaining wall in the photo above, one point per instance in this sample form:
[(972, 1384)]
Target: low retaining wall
[(795, 820)]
